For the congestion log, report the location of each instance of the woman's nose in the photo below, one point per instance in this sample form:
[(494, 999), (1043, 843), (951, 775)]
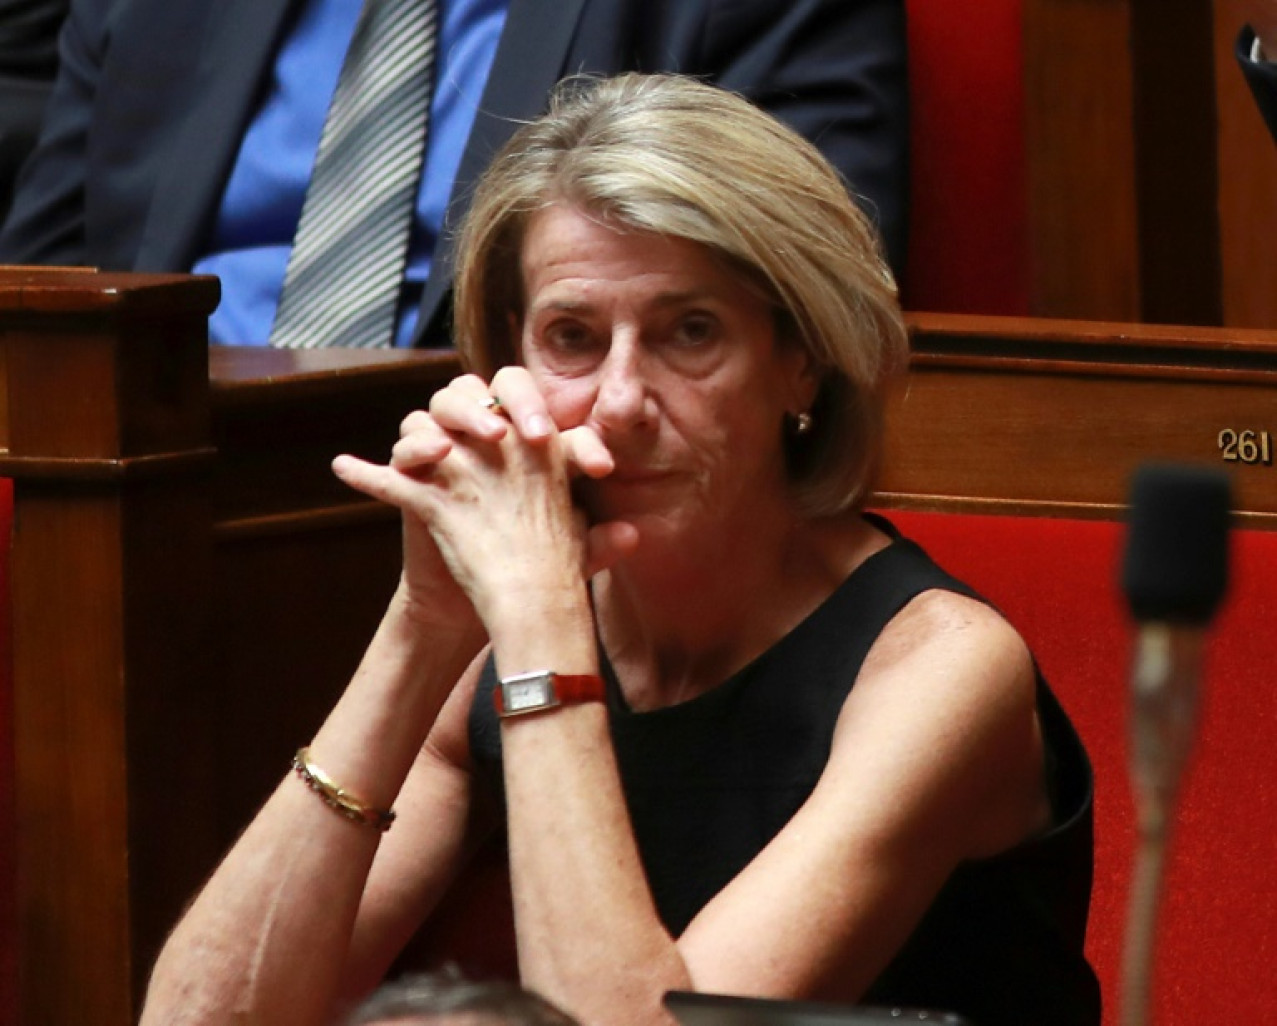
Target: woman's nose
[(622, 399)]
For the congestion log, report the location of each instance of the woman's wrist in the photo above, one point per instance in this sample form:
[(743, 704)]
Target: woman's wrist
[(431, 622), (551, 629)]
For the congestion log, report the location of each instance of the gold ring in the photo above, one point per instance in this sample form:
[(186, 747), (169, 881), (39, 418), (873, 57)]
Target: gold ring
[(493, 403)]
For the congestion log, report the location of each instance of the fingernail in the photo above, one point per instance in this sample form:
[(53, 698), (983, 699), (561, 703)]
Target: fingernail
[(537, 426)]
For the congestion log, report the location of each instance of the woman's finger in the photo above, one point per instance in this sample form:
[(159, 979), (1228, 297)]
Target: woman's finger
[(384, 483), (415, 421), (607, 544), (421, 447), (464, 407), (522, 402), (362, 476), (585, 452), (470, 385)]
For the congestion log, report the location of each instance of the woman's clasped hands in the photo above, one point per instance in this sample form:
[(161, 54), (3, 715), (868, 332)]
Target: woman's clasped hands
[(483, 480)]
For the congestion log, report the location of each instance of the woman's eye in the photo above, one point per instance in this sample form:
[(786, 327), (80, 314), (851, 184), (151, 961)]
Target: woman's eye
[(695, 330), (568, 337)]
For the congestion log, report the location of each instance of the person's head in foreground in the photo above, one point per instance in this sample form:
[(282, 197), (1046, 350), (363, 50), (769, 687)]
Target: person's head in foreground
[(447, 998)]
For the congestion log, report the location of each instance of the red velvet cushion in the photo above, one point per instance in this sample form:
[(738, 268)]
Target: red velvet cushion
[(1056, 580)]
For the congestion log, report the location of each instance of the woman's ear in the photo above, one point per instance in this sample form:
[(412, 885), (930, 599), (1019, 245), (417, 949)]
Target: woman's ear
[(801, 374)]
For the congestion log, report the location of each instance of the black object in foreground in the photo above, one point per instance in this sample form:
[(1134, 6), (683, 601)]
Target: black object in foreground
[(1175, 574), (692, 1009), (1176, 566)]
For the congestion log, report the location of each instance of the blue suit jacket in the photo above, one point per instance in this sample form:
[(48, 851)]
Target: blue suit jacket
[(153, 97)]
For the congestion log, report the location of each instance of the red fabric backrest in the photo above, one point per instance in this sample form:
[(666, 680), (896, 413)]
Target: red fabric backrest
[(968, 237), (1057, 581)]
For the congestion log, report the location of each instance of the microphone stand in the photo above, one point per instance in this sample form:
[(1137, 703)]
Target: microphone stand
[(1165, 687)]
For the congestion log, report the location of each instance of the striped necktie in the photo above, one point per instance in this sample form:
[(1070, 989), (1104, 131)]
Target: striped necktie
[(347, 263)]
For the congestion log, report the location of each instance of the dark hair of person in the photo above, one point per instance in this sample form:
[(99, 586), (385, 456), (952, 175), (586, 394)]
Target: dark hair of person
[(448, 994)]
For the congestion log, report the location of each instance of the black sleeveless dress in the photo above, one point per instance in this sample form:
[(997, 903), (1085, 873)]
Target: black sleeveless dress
[(711, 781)]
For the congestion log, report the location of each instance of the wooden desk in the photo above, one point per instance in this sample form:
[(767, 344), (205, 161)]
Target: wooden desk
[(1042, 417)]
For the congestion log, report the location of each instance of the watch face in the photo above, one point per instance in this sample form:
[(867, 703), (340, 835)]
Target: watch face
[(531, 692)]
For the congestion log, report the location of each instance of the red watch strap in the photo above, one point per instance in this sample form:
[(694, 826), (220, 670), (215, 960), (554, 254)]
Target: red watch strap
[(568, 689), (571, 688)]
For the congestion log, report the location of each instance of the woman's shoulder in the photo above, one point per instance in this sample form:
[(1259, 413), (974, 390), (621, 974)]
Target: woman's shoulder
[(946, 701), (953, 652), (951, 624)]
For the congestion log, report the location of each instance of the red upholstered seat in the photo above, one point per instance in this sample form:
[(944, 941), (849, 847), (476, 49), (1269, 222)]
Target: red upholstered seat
[(1056, 580), (968, 237)]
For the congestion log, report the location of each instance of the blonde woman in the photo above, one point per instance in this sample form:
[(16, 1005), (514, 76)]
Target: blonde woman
[(741, 737)]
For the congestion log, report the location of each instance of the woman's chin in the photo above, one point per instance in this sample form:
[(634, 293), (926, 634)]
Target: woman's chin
[(662, 541), (665, 528)]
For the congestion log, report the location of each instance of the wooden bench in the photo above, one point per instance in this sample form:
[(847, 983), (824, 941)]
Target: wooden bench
[(191, 589)]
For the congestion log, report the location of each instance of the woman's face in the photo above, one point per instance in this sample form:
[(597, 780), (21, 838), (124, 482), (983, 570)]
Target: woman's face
[(673, 359)]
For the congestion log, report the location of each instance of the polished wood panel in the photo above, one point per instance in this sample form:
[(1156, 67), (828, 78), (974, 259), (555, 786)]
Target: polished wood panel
[(106, 430), (1153, 184), (1081, 159), (1051, 417), (1176, 161)]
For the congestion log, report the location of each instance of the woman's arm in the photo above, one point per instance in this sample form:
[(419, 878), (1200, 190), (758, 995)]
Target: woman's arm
[(300, 914), (270, 935), (937, 758), (499, 509)]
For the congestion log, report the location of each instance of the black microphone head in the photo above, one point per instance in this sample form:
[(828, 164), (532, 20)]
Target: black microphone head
[(1176, 567)]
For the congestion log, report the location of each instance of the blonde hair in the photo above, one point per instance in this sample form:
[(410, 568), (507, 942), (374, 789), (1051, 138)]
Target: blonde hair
[(669, 155)]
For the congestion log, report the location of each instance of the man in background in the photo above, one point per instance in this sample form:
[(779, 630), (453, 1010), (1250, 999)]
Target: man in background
[(181, 136), (28, 62)]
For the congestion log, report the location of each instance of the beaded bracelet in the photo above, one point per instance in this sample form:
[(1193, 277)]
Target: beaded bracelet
[(337, 798)]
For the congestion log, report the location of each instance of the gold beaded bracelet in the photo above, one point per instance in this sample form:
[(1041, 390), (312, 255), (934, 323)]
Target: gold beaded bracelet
[(337, 798)]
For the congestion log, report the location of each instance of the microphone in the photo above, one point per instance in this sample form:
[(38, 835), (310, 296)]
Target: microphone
[(1174, 576)]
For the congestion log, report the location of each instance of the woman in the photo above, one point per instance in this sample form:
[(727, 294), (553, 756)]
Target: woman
[(741, 738)]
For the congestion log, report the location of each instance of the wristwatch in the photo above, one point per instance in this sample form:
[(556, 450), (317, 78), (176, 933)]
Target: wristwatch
[(544, 689)]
